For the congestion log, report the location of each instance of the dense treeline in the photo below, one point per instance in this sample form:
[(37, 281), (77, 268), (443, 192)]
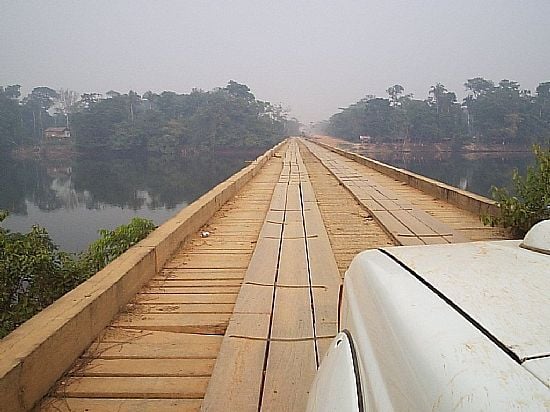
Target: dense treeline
[(224, 117), (491, 113)]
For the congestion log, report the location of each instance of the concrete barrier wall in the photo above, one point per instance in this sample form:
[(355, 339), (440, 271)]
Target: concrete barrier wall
[(35, 355), (463, 199)]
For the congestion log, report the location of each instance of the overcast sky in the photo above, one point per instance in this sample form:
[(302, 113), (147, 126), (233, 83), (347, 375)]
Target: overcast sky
[(310, 56)]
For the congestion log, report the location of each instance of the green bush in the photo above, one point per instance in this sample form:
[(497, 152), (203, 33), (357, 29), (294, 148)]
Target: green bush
[(34, 273), (530, 202), (112, 243)]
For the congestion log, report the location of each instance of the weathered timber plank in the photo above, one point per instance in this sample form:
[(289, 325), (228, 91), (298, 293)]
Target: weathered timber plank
[(290, 370), (67, 404), (187, 290), (146, 367), (153, 338), (292, 317), (165, 350), (165, 298), (181, 308), (263, 265), (228, 261), (392, 224), (252, 314), (236, 381), (416, 226), (293, 269), (168, 283), (134, 387), (294, 230), (198, 274), (212, 323)]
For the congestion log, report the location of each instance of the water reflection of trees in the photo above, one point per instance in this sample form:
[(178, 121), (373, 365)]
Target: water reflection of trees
[(37, 182), (129, 182)]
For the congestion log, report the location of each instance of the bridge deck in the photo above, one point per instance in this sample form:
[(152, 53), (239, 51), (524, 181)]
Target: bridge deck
[(242, 317)]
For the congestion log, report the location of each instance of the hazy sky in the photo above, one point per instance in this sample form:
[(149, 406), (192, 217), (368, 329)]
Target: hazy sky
[(310, 56)]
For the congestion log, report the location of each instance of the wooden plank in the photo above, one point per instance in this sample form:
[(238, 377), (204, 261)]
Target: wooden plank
[(237, 377), (197, 274), (67, 404), (293, 268), (211, 323), (293, 230), (439, 227), (181, 308), (294, 216), (263, 265), (325, 305), (221, 261), (271, 229), (278, 200), (167, 346), (392, 224), (293, 200), (171, 299), (290, 370), (146, 367), (254, 298), (121, 335), (413, 224), (186, 290), (134, 387), (252, 314), (408, 240), (168, 283), (292, 317)]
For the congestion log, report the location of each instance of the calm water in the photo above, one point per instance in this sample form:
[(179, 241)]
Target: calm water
[(473, 172), (75, 198)]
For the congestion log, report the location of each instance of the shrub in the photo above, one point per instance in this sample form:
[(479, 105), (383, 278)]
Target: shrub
[(34, 273), (530, 202), (112, 243)]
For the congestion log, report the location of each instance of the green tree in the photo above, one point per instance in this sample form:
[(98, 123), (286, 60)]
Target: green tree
[(10, 117)]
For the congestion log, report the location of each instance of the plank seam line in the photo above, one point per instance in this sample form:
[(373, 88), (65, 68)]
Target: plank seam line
[(310, 281), (285, 286)]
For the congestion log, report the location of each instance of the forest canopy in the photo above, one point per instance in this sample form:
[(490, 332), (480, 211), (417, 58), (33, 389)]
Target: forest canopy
[(224, 117), (500, 113)]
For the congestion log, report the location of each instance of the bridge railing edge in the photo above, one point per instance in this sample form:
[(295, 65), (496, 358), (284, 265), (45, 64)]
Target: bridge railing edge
[(36, 354)]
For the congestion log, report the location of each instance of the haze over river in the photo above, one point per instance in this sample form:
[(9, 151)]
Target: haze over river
[(74, 198)]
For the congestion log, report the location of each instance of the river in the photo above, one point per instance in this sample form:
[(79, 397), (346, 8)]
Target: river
[(74, 198)]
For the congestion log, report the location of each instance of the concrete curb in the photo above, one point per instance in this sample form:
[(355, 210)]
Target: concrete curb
[(35, 355), (463, 199)]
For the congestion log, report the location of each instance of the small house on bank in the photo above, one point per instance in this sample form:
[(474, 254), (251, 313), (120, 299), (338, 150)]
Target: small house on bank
[(57, 133)]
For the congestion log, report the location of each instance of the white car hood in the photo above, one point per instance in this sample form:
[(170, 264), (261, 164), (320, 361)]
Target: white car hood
[(502, 287)]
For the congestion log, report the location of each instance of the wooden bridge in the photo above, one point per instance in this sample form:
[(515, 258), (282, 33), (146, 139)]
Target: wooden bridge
[(231, 304)]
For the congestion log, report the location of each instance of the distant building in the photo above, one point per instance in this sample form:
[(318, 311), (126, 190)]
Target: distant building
[(365, 139), (57, 133)]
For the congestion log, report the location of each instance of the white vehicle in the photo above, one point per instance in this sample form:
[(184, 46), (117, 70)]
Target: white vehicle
[(443, 328)]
